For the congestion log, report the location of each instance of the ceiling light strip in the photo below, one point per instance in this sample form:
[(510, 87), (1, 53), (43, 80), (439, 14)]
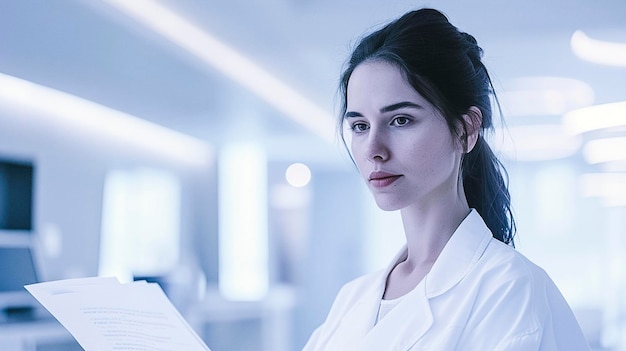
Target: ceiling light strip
[(231, 63), (605, 150), (83, 116), (598, 51), (596, 117)]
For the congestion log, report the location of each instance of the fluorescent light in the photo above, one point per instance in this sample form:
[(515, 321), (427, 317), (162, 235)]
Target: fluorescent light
[(540, 96), (596, 118), (535, 142), (597, 51), (611, 187), (231, 63), (605, 150), (243, 237), (82, 116)]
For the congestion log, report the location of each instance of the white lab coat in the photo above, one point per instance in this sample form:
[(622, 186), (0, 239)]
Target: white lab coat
[(479, 295)]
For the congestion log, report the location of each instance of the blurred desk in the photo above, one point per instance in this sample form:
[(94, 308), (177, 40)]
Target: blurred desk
[(35, 335), (264, 325)]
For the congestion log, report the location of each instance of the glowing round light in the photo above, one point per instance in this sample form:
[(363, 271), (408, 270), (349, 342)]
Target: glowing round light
[(298, 175)]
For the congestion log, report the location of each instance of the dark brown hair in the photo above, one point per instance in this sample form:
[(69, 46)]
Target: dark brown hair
[(444, 65)]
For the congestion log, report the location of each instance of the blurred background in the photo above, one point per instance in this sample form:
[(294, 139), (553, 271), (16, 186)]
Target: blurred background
[(192, 143)]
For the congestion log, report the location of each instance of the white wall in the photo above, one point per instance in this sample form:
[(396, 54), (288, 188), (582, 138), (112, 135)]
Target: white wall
[(70, 168)]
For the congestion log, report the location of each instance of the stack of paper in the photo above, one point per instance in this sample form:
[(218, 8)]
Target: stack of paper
[(103, 314)]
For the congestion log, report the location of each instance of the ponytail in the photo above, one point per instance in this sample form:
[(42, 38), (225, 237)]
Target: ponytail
[(485, 182)]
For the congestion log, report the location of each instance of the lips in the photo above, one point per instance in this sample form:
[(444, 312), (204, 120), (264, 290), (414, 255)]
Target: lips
[(380, 179)]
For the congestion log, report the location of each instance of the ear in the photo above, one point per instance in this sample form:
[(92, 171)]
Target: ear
[(472, 121)]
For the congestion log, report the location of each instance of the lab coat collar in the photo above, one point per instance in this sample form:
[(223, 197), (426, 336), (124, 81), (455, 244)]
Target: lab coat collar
[(460, 254), (357, 330), (463, 250)]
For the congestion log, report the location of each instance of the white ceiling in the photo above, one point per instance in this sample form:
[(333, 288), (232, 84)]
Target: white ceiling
[(92, 50)]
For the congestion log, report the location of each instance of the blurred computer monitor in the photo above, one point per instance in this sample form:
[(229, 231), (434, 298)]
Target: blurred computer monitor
[(18, 267), (16, 195)]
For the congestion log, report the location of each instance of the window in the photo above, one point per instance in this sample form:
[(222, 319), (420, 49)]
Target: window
[(140, 223)]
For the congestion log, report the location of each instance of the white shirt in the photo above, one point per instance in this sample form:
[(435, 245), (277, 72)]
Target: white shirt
[(386, 306), (479, 295)]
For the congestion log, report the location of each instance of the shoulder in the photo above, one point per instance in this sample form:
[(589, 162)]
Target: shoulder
[(492, 254), (508, 261), (518, 298), (503, 278), (506, 273)]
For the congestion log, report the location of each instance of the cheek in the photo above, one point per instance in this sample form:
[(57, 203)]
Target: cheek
[(432, 153), (356, 152)]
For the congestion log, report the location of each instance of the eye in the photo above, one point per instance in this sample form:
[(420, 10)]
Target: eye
[(359, 127), (400, 121)]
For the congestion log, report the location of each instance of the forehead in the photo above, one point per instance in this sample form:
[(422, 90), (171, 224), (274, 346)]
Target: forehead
[(376, 84)]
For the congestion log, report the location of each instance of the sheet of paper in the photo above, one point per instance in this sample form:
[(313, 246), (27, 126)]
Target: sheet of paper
[(102, 314)]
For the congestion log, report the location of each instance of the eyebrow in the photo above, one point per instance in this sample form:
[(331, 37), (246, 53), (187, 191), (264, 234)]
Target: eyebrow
[(393, 107), (401, 105)]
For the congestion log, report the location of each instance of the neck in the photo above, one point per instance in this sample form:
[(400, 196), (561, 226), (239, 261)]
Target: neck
[(428, 227)]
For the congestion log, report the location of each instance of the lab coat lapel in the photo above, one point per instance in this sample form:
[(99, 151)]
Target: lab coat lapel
[(399, 330), (358, 322), (407, 323)]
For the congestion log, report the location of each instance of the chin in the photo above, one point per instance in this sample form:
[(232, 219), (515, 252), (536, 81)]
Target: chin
[(387, 205)]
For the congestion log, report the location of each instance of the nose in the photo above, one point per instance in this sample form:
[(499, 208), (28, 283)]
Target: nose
[(377, 149)]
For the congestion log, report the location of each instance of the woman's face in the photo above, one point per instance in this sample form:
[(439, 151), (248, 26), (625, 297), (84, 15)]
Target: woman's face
[(401, 144)]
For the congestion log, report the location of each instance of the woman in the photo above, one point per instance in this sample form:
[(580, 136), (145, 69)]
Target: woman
[(416, 99)]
